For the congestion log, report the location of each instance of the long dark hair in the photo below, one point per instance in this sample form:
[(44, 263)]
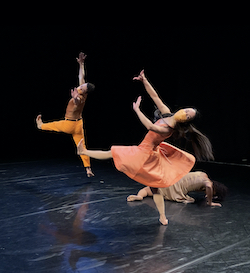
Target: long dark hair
[(201, 144), (220, 190)]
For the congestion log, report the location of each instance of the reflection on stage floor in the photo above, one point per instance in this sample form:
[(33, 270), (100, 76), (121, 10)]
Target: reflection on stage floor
[(56, 219)]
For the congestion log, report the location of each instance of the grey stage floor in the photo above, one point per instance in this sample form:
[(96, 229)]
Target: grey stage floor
[(55, 219)]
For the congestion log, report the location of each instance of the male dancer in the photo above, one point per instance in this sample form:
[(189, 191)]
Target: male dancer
[(193, 181), (73, 124)]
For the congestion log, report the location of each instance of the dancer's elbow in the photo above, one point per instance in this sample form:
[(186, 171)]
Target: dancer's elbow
[(150, 127)]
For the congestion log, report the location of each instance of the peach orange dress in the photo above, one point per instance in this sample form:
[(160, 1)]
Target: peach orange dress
[(153, 163)]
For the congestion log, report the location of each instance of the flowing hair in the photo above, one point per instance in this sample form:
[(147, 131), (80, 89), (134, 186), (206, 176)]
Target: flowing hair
[(201, 144)]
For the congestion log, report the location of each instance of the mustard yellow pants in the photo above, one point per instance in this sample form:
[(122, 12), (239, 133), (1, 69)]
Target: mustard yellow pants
[(74, 128)]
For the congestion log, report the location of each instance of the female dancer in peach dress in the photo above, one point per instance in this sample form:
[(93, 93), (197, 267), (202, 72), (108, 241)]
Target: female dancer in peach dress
[(155, 163)]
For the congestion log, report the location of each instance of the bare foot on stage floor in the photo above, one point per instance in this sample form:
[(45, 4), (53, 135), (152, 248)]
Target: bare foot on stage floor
[(131, 198), (89, 172), (39, 122), (163, 220)]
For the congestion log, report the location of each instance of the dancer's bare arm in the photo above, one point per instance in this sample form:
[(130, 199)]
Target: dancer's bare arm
[(81, 61), (152, 93), (148, 123)]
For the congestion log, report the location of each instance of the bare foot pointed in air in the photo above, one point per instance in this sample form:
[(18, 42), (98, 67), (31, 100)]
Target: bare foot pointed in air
[(131, 198), (39, 121)]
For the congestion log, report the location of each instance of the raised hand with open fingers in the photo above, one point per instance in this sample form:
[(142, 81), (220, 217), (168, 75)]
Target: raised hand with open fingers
[(81, 58), (136, 105)]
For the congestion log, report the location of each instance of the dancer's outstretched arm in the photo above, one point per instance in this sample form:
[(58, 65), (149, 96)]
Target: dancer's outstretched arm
[(94, 154), (152, 93), (81, 60), (147, 123), (74, 92)]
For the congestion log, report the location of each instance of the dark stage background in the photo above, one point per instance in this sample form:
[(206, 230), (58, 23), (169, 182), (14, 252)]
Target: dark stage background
[(202, 66)]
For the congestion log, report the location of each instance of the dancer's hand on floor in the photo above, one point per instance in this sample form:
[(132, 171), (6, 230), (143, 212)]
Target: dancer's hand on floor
[(80, 148)]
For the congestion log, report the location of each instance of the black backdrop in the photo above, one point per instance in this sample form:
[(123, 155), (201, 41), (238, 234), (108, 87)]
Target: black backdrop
[(202, 66)]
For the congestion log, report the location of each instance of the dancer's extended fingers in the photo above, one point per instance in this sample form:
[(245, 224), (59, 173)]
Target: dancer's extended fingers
[(84, 56), (138, 102), (135, 106), (139, 77)]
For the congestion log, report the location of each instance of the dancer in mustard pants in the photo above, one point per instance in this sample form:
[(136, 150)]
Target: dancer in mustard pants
[(73, 124)]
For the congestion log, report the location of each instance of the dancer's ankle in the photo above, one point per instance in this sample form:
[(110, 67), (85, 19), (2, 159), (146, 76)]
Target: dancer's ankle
[(89, 172)]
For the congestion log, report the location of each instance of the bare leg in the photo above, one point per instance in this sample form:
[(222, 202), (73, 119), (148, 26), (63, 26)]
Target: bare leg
[(39, 121), (159, 202), (140, 195), (99, 154), (94, 154)]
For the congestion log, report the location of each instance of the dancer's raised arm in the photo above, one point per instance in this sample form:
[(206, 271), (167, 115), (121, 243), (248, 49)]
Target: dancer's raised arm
[(81, 60), (152, 93)]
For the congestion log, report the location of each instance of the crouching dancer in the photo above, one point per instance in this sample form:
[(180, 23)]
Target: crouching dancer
[(193, 181)]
